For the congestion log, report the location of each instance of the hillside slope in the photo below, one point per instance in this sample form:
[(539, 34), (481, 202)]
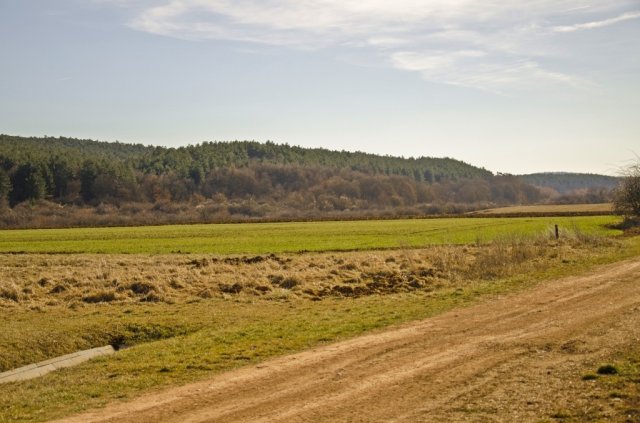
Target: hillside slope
[(119, 183), (565, 182), (211, 155)]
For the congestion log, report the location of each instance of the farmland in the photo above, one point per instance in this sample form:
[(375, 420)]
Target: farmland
[(549, 209), (240, 294), (268, 238)]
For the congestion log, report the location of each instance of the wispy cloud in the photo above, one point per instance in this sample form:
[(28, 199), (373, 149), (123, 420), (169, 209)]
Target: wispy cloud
[(486, 45), (470, 68), (598, 24)]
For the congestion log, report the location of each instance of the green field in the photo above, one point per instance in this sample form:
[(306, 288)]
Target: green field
[(263, 238)]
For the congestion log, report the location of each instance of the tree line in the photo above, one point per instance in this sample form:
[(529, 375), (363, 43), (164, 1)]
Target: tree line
[(246, 175)]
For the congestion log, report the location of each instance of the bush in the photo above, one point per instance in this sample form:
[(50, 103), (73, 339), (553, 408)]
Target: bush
[(607, 369)]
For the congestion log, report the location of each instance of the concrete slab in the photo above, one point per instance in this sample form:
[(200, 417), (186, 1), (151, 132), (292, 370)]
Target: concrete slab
[(42, 368)]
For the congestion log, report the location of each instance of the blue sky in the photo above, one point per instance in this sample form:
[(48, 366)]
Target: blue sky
[(513, 86)]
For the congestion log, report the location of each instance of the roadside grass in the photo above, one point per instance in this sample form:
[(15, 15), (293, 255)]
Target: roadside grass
[(265, 238), (185, 337)]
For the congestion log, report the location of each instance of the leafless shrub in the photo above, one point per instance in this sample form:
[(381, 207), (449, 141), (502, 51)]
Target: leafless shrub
[(626, 200)]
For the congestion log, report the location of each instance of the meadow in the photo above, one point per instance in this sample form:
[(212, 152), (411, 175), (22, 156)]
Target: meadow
[(240, 294), (265, 238)]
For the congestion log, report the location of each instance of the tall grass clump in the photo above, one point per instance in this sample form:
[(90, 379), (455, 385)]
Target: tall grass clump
[(9, 291), (501, 256), (579, 237)]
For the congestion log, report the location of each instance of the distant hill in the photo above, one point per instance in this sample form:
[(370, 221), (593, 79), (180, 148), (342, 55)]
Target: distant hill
[(49, 181), (211, 155), (566, 183)]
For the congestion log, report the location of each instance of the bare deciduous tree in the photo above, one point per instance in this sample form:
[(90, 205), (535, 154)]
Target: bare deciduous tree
[(627, 196)]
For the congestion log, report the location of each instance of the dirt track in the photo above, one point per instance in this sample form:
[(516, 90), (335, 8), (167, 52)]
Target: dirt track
[(515, 358)]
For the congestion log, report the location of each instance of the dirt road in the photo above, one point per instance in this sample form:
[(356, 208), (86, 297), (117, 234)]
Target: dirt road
[(515, 358)]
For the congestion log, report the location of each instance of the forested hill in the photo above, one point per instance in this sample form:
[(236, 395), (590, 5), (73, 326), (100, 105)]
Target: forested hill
[(237, 154), (564, 182), (61, 181)]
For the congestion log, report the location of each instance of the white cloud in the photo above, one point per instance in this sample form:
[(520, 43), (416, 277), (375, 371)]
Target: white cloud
[(387, 41), (470, 68), (482, 44), (598, 24), (442, 61)]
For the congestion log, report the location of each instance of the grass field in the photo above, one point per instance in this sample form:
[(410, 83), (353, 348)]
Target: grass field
[(185, 317), (265, 238)]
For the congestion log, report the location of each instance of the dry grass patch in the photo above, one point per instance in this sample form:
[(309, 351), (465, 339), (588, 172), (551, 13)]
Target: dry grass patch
[(40, 281), (604, 208)]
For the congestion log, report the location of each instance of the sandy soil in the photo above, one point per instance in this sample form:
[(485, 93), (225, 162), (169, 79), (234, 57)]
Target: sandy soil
[(515, 358)]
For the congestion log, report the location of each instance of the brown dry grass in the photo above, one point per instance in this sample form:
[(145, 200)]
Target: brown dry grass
[(547, 209), (39, 281)]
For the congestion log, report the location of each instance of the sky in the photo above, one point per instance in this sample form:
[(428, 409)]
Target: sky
[(512, 86)]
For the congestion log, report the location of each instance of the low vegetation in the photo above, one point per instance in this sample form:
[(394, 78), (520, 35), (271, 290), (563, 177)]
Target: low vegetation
[(184, 317), (267, 238), (41, 281), (550, 210)]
